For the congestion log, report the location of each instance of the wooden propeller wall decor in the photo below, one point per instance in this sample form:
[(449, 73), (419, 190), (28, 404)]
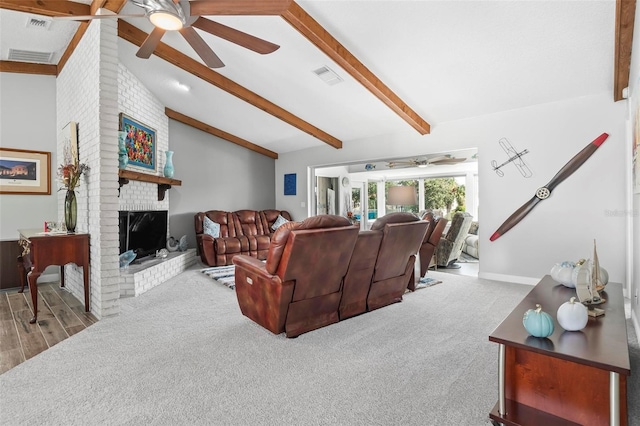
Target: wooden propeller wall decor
[(544, 192), (184, 16)]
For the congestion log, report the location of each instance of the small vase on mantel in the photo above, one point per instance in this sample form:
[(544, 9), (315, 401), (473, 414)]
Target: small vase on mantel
[(70, 211), (168, 165)]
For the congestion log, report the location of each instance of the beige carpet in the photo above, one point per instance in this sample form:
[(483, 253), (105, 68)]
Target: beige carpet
[(182, 354)]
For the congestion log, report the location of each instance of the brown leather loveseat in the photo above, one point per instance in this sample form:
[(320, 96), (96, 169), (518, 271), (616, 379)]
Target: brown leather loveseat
[(299, 287), (245, 232)]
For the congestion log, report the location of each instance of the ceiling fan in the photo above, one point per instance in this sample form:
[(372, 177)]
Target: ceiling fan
[(183, 16), (425, 162)]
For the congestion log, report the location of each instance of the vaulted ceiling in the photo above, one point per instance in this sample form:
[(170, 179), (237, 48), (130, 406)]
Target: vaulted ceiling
[(404, 65)]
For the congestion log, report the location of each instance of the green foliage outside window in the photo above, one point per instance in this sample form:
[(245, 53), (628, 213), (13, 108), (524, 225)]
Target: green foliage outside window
[(440, 194)]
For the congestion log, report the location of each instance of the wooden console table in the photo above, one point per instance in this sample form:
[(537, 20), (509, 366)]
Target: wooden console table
[(571, 377), (44, 249)]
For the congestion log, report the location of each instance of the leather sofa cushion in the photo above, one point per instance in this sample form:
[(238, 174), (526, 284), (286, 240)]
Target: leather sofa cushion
[(397, 217), (280, 237), (248, 223), (276, 248)]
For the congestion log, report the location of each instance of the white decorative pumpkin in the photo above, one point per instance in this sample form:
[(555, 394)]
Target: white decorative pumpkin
[(562, 273), (572, 316)]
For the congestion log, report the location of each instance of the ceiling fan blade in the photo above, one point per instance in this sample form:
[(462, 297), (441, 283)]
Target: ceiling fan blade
[(234, 36), (202, 49), (88, 17), (150, 43), (100, 13), (401, 164), (447, 161), (239, 7)]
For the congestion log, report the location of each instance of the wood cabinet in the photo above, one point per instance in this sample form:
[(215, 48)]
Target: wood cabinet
[(9, 252), (571, 377)]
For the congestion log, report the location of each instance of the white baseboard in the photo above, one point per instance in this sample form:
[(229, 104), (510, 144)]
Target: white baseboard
[(636, 324), (509, 278)]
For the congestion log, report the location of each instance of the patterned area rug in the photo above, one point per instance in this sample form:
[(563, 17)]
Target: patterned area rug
[(225, 275), (427, 282)]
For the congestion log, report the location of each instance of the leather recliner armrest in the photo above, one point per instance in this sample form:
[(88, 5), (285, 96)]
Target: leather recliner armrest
[(251, 265)]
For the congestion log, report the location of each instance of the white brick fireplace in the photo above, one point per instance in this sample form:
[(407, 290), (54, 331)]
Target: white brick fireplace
[(92, 89)]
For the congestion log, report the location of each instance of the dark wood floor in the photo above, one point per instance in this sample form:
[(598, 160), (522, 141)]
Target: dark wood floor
[(60, 315)]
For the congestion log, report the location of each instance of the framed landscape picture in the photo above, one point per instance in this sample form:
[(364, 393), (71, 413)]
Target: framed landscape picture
[(140, 142), (25, 172)]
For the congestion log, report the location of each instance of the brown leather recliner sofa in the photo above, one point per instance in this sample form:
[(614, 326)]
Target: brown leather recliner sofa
[(430, 242), (299, 287), (382, 263), (245, 232)]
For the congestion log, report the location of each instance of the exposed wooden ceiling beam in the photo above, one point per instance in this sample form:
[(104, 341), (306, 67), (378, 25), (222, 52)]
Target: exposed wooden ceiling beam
[(28, 68), (238, 7), (625, 16), (57, 8), (219, 133), (112, 5), (72, 46), (46, 7), (316, 34), (179, 59)]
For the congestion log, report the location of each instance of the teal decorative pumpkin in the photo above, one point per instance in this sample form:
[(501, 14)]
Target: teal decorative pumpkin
[(538, 323)]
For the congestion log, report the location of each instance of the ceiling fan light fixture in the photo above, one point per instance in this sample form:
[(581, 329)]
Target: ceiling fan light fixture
[(166, 20)]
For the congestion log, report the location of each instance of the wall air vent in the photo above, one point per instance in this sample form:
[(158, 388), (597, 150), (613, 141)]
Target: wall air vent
[(29, 56), (38, 23), (327, 75)]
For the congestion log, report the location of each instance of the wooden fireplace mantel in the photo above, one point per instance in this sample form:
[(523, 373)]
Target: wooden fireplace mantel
[(164, 183)]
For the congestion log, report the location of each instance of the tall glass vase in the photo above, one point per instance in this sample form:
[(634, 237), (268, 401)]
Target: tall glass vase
[(168, 165), (70, 211)]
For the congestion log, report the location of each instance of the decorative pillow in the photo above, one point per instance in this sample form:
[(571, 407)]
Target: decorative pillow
[(211, 228), (279, 222), (473, 229)]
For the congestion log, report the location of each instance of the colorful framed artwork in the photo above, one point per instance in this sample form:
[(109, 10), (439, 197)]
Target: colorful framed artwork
[(25, 172), (290, 184), (70, 143), (140, 142)]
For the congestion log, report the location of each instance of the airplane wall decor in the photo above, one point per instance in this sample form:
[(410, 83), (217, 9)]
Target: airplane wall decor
[(515, 157)]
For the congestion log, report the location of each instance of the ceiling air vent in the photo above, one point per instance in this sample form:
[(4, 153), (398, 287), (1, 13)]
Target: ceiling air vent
[(29, 56), (327, 75), (38, 23)]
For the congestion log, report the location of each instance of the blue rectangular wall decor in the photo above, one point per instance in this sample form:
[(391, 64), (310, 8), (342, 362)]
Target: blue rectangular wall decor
[(290, 184)]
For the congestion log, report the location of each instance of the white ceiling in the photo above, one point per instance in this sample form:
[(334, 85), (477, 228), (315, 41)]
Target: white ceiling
[(448, 60)]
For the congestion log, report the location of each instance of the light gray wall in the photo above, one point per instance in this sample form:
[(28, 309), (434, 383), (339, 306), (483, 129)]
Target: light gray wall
[(28, 121), (560, 228), (215, 175), (632, 214)]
